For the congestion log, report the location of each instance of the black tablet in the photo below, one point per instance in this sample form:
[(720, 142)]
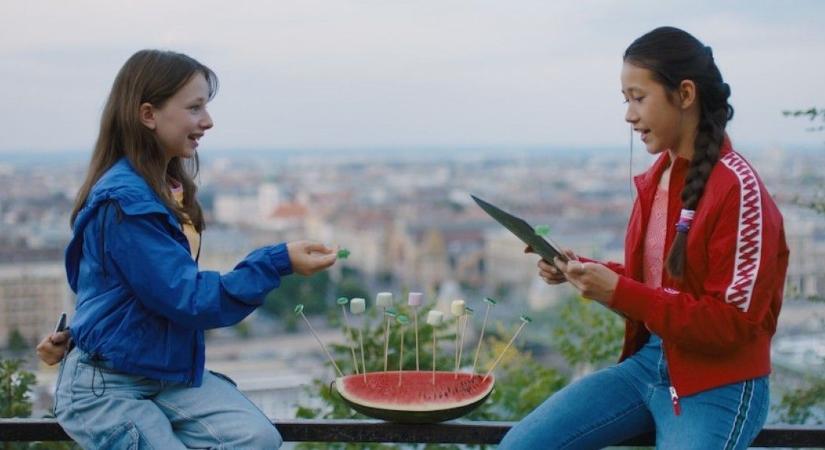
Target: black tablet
[(542, 245)]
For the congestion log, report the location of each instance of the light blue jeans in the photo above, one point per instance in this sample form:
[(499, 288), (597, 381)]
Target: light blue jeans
[(633, 397), (103, 409)]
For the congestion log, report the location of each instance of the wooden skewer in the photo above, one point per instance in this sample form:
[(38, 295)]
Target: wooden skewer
[(490, 302), (343, 302), (300, 310), (524, 321)]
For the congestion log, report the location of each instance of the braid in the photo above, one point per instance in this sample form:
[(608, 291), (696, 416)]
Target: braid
[(673, 55), (709, 137)]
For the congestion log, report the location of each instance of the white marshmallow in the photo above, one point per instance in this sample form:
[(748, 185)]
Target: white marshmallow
[(434, 317), (414, 299), (457, 307), (384, 299), (357, 305)]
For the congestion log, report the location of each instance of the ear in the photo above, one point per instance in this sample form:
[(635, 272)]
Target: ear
[(147, 116), (687, 94)]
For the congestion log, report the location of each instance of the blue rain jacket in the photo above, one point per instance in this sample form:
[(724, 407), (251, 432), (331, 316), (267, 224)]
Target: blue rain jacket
[(142, 304)]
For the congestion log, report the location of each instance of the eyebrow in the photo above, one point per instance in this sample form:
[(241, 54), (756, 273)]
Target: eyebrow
[(630, 90)]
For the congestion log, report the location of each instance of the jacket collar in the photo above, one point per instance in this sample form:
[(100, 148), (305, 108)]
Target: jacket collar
[(646, 182)]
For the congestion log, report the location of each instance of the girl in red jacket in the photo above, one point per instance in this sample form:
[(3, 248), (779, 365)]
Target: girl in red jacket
[(701, 288)]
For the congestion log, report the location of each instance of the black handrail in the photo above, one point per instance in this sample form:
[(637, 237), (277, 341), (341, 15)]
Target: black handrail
[(454, 432)]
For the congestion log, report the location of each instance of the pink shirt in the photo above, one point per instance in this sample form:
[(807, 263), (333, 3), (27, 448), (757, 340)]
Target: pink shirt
[(654, 251)]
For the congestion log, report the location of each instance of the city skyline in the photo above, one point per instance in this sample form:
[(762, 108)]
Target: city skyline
[(399, 75)]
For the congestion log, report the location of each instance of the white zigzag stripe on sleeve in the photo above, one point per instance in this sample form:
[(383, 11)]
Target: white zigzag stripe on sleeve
[(749, 238)]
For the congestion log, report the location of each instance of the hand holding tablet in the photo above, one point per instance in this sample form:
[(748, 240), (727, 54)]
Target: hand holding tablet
[(540, 244)]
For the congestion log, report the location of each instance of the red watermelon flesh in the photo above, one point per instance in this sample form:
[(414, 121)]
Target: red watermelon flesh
[(417, 399)]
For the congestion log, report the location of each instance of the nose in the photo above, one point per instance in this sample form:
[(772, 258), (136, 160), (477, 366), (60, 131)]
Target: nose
[(630, 115), (206, 121)]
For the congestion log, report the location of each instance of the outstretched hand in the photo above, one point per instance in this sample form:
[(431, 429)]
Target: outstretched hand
[(308, 257), (594, 281), (53, 347)]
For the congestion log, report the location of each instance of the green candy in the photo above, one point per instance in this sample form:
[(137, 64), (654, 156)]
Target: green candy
[(542, 230), (489, 300), (299, 309), (343, 253), (342, 301), (402, 319), (526, 319)]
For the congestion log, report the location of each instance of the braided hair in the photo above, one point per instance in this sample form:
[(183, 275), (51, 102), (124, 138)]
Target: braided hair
[(673, 55)]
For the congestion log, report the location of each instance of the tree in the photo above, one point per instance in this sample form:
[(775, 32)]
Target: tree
[(806, 404), (15, 388), (17, 343), (588, 335), (310, 291), (811, 113), (15, 384)]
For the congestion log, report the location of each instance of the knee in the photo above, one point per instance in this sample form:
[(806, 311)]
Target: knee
[(263, 435)]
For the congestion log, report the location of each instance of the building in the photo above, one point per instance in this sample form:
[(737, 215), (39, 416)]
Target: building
[(32, 296)]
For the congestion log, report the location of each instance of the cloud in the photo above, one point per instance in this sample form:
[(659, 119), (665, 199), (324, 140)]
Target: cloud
[(382, 73)]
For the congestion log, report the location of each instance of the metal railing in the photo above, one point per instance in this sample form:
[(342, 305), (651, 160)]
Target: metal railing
[(454, 432)]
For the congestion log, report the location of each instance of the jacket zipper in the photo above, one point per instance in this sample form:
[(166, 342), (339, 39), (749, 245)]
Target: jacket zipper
[(674, 398)]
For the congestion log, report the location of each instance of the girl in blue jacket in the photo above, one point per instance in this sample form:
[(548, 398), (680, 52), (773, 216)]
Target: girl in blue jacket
[(135, 378)]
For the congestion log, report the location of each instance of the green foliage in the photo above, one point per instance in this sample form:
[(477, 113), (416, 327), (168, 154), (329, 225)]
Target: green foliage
[(351, 286), (17, 343), (804, 405), (15, 384), (588, 334), (243, 330), (310, 291), (521, 385), (15, 387), (811, 113)]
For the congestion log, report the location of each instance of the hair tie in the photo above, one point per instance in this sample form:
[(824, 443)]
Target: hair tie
[(685, 219)]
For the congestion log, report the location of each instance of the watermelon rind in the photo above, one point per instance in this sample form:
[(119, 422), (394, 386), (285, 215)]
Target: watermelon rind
[(429, 412)]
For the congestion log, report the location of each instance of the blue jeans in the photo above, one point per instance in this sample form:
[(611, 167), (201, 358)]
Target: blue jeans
[(101, 408), (633, 397)]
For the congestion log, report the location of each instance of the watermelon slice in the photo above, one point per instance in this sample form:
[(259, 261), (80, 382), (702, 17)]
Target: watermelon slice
[(417, 399)]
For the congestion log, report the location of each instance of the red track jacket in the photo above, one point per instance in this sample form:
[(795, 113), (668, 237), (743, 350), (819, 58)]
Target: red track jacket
[(717, 324)]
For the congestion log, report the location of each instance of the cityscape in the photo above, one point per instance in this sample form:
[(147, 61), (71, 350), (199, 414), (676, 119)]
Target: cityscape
[(410, 224)]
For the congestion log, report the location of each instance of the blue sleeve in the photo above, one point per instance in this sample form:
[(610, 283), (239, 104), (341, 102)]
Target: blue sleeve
[(165, 279)]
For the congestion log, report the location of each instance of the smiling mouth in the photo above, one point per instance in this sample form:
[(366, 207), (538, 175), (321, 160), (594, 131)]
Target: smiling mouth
[(643, 133)]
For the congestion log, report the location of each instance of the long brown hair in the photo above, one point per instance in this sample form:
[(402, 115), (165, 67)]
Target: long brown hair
[(148, 76), (673, 55)]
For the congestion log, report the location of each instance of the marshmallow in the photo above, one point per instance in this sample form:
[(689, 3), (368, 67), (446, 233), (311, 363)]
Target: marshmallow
[(457, 307), (384, 299), (434, 317), (414, 299), (357, 305)]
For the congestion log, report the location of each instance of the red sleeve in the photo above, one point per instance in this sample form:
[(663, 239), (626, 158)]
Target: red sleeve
[(747, 259), (614, 266)]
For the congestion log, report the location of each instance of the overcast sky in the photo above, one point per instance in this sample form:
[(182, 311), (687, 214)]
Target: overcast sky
[(401, 74)]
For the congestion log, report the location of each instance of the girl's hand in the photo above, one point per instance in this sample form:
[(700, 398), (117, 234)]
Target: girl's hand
[(53, 347), (308, 257), (548, 272), (593, 280)]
